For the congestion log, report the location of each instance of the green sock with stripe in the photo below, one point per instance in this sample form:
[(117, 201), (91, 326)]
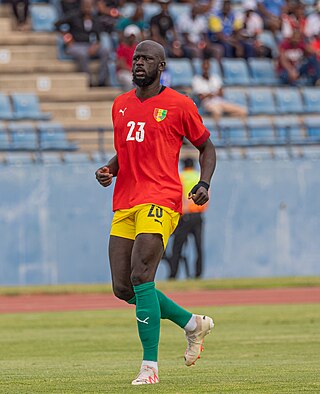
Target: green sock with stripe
[(169, 310), (148, 318)]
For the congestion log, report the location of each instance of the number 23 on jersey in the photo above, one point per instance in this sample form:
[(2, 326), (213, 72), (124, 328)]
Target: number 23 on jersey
[(136, 131)]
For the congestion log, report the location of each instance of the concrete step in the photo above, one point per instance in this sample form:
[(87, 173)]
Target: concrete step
[(5, 10), (75, 95), (27, 53), (43, 82), (28, 38), (5, 25), (83, 113)]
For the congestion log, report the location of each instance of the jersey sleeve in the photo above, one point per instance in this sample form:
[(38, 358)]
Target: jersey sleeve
[(194, 128)]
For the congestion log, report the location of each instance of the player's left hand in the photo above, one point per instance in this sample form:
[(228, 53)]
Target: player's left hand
[(199, 193)]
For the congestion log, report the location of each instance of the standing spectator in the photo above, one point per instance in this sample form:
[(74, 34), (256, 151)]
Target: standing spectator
[(20, 10), (190, 223), (208, 89), (271, 11), (224, 26), (297, 60), (83, 40), (124, 55)]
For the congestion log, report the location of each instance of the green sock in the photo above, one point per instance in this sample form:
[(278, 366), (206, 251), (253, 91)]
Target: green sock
[(148, 317), (170, 310)]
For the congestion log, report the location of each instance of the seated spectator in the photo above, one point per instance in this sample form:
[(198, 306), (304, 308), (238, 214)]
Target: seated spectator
[(271, 11), (82, 41), (192, 27), (208, 89), (295, 19), (163, 30), (252, 26), (315, 46), (312, 27), (20, 10), (124, 55), (223, 29), (108, 12), (135, 19), (297, 60)]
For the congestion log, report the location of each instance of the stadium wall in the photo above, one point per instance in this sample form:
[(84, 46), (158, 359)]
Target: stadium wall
[(263, 221)]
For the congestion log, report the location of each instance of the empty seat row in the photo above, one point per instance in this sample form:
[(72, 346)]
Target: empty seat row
[(232, 71), (265, 130), (26, 136), (20, 106), (276, 101)]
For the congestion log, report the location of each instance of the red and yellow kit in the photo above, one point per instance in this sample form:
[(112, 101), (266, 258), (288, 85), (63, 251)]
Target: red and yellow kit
[(148, 136)]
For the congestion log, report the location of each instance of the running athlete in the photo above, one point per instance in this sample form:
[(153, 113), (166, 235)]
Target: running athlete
[(150, 123)]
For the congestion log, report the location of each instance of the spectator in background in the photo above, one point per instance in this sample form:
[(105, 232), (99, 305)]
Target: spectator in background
[(82, 41), (312, 27), (190, 223), (108, 12), (20, 10), (208, 89), (124, 55), (295, 19), (271, 11), (68, 6), (252, 26), (223, 27), (297, 60), (135, 19), (192, 27), (163, 31)]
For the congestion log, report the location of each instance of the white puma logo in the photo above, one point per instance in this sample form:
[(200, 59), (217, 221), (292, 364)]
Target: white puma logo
[(122, 111), (143, 321)]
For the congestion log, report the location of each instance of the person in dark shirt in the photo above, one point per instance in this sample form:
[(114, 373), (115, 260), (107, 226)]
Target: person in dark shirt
[(83, 40)]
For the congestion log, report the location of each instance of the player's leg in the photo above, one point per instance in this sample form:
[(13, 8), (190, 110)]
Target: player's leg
[(146, 254)]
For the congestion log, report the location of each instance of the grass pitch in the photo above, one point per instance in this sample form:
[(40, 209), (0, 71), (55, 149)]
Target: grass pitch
[(257, 349)]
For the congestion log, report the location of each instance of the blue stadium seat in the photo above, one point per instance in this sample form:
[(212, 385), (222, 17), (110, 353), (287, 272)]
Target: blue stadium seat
[(258, 153), (288, 100), (235, 72), (312, 126), (262, 72), (236, 96), (26, 106), (76, 158), (268, 40), (214, 67), (212, 127), (232, 131), (261, 101), (19, 158), (288, 128), (5, 108), (23, 135), (311, 98), (260, 130), (52, 136), (177, 9), (43, 17), (4, 138), (180, 71)]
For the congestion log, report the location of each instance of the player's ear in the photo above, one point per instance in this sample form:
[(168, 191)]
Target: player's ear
[(162, 66)]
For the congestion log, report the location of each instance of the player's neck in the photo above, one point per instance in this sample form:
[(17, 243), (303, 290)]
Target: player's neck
[(146, 92)]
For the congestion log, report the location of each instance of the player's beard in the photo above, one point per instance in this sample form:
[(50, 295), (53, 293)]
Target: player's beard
[(147, 80)]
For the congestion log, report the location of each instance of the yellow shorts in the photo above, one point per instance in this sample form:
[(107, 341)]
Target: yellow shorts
[(145, 218)]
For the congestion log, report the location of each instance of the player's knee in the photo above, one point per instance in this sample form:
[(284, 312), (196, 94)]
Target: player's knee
[(123, 292), (140, 276)]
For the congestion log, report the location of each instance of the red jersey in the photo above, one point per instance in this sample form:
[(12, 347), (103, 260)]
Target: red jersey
[(126, 52), (148, 137)]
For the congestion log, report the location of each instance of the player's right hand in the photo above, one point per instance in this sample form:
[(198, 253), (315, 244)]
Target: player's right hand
[(103, 176)]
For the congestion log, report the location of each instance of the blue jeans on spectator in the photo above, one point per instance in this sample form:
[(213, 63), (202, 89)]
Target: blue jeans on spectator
[(310, 69)]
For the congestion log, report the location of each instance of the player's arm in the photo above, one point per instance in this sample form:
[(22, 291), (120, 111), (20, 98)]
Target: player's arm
[(105, 174), (207, 160)]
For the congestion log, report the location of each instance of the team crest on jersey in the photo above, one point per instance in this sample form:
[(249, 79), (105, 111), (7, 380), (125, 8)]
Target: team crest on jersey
[(159, 114)]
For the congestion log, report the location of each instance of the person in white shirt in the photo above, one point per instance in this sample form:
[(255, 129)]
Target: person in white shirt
[(208, 88)]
